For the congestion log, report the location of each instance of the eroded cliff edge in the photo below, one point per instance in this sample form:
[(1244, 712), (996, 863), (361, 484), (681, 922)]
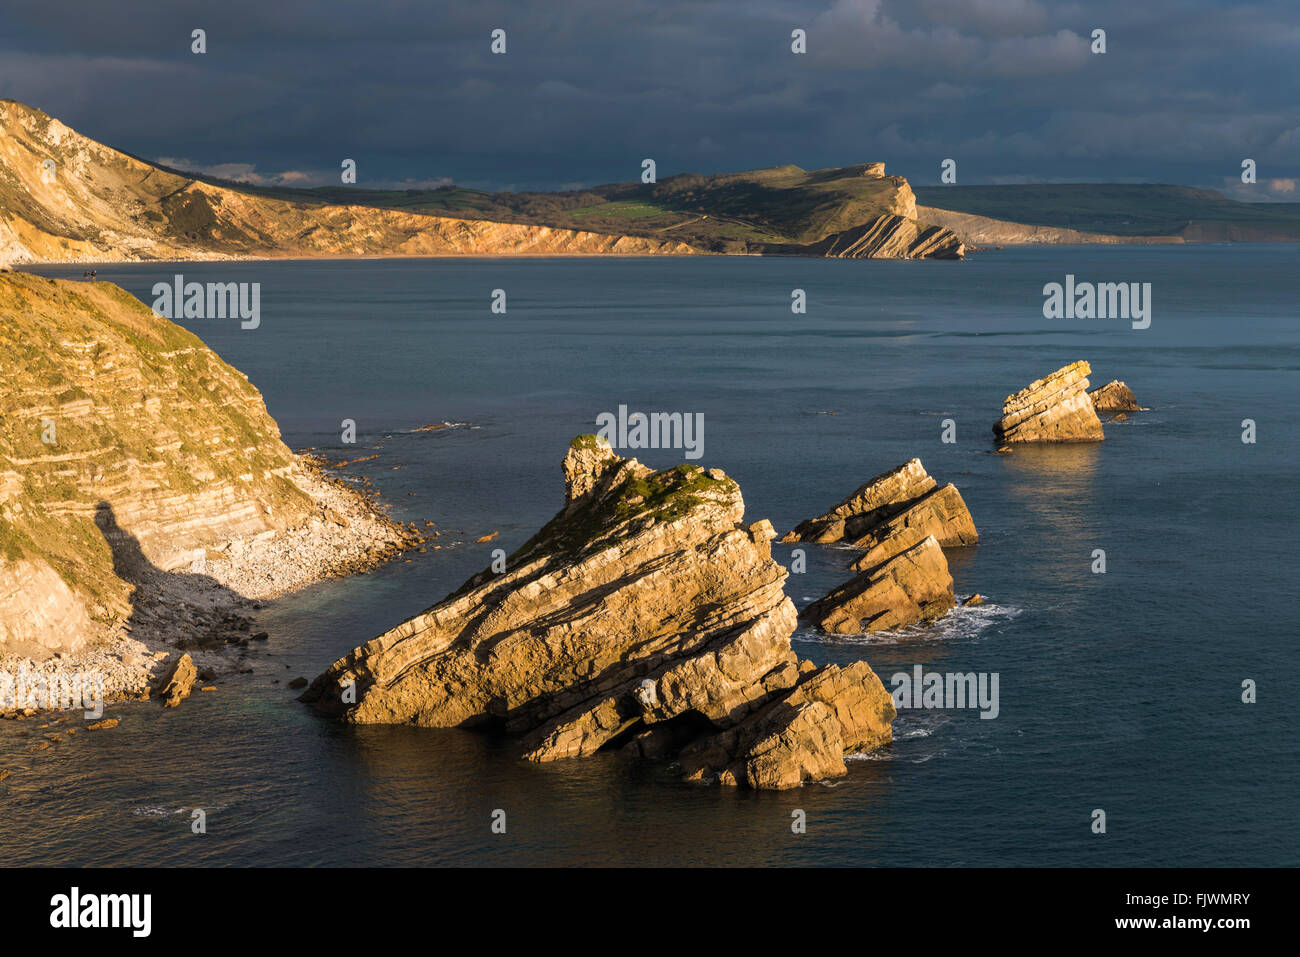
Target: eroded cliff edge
[(145, 492), (647, 615), (67, 198)]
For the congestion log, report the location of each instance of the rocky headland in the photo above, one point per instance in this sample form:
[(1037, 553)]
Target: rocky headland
[(67, 198), (646, 616), (147, 501)]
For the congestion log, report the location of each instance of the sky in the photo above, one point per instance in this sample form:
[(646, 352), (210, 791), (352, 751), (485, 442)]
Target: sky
[(587, 89)]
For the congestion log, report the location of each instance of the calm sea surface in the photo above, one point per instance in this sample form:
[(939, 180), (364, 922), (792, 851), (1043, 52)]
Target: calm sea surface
[(1119, 691)]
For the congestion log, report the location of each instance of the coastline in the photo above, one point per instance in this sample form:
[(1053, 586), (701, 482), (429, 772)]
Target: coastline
[(209, 611)]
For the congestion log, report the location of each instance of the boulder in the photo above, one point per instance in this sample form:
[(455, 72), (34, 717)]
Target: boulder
[(1114, 396), (911, 587), (179, 682), (646, 615), (1056, 408), (801, 736)]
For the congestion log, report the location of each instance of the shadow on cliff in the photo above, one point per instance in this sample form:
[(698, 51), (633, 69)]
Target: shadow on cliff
[(185, 610)]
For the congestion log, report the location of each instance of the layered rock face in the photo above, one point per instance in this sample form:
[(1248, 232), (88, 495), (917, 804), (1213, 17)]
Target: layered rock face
[(891, 513), (127, 448), (95, 203), (902, 519), (892, 237), (876, 499), (914, 586), (1055, 408), (645, 615), (1114, 396)]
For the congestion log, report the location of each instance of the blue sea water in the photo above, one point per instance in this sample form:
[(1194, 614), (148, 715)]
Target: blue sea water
[(1119, 691)]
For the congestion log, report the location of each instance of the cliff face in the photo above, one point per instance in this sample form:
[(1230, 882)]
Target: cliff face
[(67, 198), (126, 447), (64, 197), (645, 615)]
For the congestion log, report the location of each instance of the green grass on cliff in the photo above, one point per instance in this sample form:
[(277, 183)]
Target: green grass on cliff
[(91, 357), (753, 211)]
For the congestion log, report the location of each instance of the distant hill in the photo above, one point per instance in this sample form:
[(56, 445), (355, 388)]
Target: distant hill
[(780, 210), (1137, 212), (65, 197)]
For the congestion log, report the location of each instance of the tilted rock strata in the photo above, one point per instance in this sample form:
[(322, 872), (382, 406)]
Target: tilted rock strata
[(1114, 396), (890, 236), (1055, 408), (130, 452), (941, 514), (912, 587), (890, 513), (874, 501), (801, 736), (645, 614), (99, 204)]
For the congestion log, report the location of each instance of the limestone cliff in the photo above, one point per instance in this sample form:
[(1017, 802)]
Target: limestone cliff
[(127, 449), (67, 198), (1055, 408), (647, 615)]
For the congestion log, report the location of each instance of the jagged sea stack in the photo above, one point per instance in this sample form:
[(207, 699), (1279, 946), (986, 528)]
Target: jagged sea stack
[(647, 615), (1055, 408)]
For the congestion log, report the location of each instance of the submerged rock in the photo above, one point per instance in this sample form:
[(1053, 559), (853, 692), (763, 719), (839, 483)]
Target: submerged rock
[(913, 586), (1114, 396), (1055, 408), (647, 615)]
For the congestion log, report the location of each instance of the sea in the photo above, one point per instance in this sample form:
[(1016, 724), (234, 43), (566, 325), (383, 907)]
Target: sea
[(1146, 710)]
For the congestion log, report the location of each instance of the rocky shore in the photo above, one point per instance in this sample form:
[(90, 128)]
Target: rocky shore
[(147, 501)]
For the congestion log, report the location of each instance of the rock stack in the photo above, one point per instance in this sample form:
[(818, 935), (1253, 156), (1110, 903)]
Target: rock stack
[(1114, 397), (645, 616), (902, 519), (1056, 408)]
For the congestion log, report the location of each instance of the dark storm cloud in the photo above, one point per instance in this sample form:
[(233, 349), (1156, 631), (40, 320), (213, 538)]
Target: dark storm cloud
[(1006, 87)]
